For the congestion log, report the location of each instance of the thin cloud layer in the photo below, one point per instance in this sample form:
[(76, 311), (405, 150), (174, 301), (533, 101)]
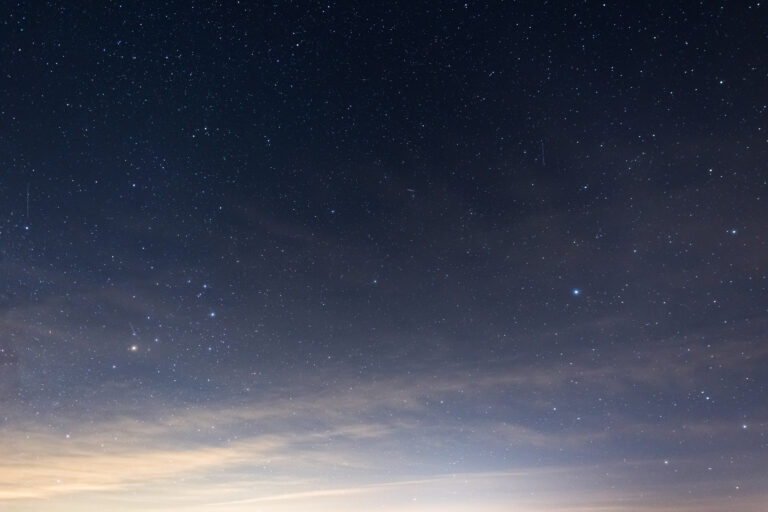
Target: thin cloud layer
[(291, 453)]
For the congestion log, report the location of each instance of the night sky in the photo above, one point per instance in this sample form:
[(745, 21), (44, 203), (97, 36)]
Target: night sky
[(397, 256)]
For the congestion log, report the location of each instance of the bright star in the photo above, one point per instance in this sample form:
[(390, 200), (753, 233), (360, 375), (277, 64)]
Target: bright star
[(576, 291)]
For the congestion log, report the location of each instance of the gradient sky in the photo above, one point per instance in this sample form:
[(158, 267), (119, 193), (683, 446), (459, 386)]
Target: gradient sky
[(392, 256)]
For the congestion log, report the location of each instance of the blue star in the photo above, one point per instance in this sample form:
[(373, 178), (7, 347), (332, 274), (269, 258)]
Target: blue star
[(576, 291)]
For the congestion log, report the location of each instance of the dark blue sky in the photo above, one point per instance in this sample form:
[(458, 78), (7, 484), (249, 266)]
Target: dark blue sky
[(423, 255)]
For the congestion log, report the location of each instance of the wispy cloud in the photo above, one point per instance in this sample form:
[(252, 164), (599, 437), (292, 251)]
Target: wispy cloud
[(344, 448)]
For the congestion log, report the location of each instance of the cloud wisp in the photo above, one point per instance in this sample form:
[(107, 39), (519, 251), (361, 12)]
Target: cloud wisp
[(347, 447)]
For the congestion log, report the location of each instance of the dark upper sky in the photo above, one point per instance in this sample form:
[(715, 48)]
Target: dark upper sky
[(411, 255)]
